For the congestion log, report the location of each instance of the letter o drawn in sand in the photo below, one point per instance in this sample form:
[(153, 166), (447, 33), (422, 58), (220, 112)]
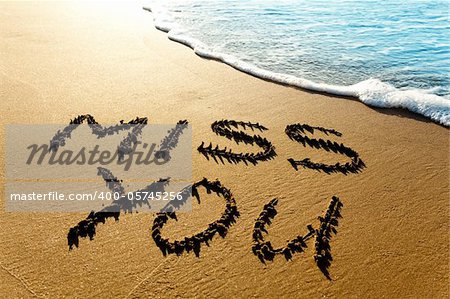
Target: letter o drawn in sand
[(193, 243)]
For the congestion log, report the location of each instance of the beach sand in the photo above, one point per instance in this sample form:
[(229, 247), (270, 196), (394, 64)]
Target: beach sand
[(59, 60)]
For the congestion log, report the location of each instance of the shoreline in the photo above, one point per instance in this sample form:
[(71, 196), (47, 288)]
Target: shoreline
[(70, 59), (386, 95)]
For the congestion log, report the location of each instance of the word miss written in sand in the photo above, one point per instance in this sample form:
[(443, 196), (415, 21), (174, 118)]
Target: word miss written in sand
[(234, 130)]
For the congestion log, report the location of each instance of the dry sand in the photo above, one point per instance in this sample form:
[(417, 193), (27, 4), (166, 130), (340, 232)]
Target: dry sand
[(59, 60)]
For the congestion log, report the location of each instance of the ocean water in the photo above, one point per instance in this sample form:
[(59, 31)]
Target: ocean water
[(387, 53)]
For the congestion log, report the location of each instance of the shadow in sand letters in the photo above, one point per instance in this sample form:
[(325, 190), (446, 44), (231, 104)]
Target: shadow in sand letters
[(229, 129), (193, 243), (298, 132), (87, 227), (265, 251)]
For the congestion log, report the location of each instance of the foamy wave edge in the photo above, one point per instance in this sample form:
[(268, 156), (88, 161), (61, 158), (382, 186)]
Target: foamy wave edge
[(372, 92)]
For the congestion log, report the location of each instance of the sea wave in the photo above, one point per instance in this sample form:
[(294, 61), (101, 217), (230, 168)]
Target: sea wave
[(372, 92)]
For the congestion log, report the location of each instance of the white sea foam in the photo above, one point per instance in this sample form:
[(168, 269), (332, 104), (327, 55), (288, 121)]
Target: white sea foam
[(371, 92)]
